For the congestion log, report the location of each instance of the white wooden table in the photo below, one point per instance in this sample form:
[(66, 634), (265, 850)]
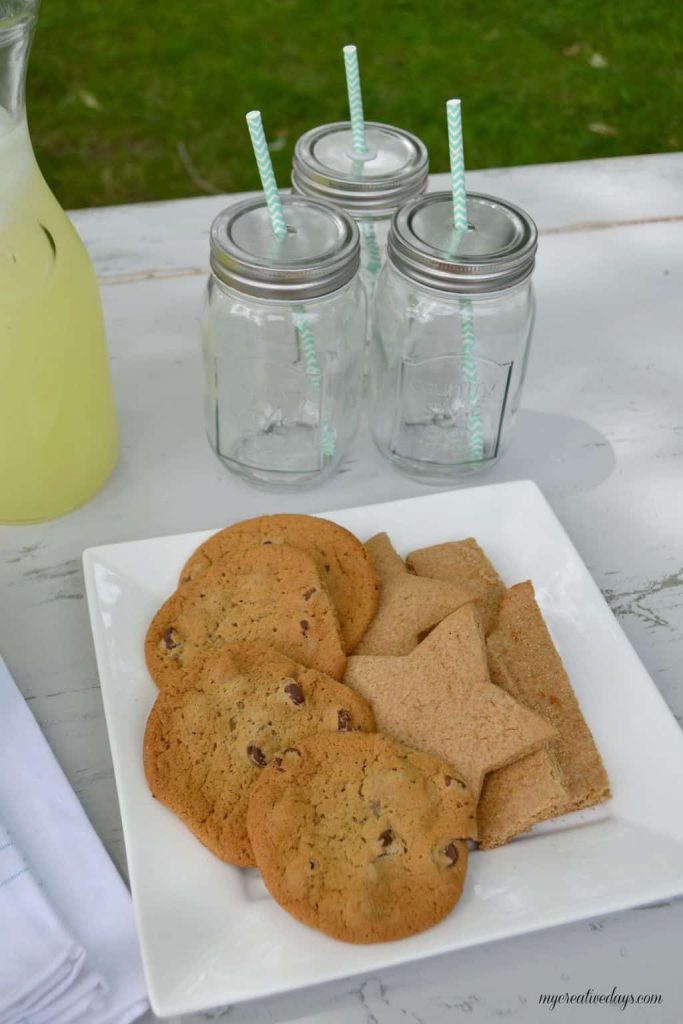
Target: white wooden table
[(601, 432)]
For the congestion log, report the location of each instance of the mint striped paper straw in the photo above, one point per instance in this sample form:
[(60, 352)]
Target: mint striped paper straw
[(457, 155), (355, 98), (374, 258), (277, 219), (374, 255), (307, 342), (475, 435), (266, 173)]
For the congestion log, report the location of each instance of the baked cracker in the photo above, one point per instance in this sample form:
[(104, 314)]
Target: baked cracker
[(522, 642), (464, 564), (515, 798), (440, 699), (409, 606)]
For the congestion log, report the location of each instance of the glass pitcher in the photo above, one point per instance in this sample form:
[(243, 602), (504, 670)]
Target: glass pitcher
[(58, 438)]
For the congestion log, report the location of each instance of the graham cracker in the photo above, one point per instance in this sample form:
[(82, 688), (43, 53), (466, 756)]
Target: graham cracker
[(463, 563), (409, 606), (440, 699), (522, 642), (515, 798)]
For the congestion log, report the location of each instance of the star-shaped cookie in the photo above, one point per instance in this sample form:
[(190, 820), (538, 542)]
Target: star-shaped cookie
[(440, 698), (409, 606)]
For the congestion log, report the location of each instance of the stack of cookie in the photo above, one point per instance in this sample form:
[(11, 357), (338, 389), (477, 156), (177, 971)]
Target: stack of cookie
[(356, 783)]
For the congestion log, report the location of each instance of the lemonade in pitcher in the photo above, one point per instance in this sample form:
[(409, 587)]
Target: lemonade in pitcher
[(58, 438)]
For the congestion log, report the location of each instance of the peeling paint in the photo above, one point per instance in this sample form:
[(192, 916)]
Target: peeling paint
[(637, 602)]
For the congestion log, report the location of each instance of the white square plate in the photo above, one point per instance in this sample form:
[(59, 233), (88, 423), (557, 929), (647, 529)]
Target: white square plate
[(211, 935)]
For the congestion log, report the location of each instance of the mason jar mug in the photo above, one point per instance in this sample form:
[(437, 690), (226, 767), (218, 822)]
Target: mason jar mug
[(453, 318), (283, 336), (369, 186)]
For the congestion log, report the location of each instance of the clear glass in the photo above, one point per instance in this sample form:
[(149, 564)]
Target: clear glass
[(283, 382), (370, 186), (58, 438), (446, 374), (374, 232)]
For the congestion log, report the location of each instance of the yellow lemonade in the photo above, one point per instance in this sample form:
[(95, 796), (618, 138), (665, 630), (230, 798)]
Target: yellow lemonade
[(58, 438)]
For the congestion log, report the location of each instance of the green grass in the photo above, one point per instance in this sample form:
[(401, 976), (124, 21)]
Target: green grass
[(138, 101)]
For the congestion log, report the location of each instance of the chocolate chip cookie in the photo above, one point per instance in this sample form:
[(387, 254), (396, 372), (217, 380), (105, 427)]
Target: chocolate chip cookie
[(272, 593), (207, 743), (361, 837), (342, 561)]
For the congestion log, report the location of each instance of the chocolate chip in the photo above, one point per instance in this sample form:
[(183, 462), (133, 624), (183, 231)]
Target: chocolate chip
[(305, 626), (295, 693), (308, 594), (451, 852), (276, 763), (327, 568), (171, 639), (391, 844), (313, 865), (257, 755), (344, 720), (267, 542)]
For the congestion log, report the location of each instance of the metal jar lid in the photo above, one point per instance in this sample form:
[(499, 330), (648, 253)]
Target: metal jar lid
[(394, 169), (320, 254), (497, 251)]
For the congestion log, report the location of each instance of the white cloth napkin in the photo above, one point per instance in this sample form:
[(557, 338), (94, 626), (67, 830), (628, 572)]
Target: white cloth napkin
[(41, 966), (68, 948)]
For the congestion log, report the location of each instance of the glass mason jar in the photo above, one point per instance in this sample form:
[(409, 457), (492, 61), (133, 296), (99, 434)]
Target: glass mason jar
[(283, 336), (370, 187), (453, 317)]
